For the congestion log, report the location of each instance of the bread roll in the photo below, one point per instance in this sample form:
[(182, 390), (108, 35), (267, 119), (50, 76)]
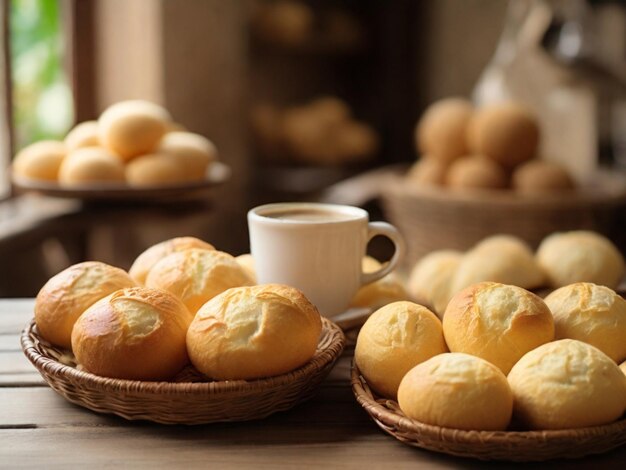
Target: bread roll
[(441, 132), (580, 256), (497, 322), (331, 110), (40, 161), (82, 135), (378, 293), (428, 171), (356, 141), (590, 313), (155, 170), (567, 384), (540, 177), (476, 172), (136, 334), (69, 293), (457, 391), (431, 279), (89, 165), (393, 340), (507, 132), (196, 275), (253, 332), (131, 128), (246, 261), (146, 260), (500, 258), (622, 367), (193, 152)]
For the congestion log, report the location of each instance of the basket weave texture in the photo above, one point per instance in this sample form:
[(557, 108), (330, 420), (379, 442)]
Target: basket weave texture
[(433, 218), (190, 398), (522, 446)]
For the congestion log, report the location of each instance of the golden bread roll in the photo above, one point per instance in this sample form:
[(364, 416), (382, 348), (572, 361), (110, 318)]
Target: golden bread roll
[(580, 256), (82, 135), (131, 128), (146, 260), (428, 171), (89, 165), (501, 258), (196, 275), (135, 334), (307, 137), (246, 261), (590, 313), (154, 170), (378, 293), (331, 110), (253, 332), (284, 22), (441, 132), (476, 172), (567, 384), (393, 340), (622, 367), (540, 177), (69, 293), (457, 391), (40, 161), (431, 279), (497, 322), (507, 132), (356, 141), (193, 152)]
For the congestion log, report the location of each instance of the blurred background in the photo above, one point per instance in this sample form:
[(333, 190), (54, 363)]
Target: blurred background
[(304, 100)]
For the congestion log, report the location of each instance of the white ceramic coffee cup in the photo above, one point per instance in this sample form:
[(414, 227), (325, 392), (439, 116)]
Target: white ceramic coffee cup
[(322, 258)]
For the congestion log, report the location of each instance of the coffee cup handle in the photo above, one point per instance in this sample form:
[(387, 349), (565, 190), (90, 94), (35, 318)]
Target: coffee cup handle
[(386, 230)]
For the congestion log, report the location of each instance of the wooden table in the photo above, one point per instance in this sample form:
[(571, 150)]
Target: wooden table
[(39, 428)]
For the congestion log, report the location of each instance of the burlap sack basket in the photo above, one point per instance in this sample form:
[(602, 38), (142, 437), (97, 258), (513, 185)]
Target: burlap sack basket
[(190, 398), (433, 218), (520, 446)]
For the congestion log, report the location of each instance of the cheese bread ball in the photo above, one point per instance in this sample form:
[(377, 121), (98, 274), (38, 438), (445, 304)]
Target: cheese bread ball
[(457, 391), (146, 260), (40, 161), (590, 313), (506, 132), (84, 134), (428, 171), (89, 165), (254, 332), (431, 279), (476, 172), (134, 334), (580, 256), (131, 128), (441, 132), (69, 293), (196, 275), (378, 293), (155, 170), (567, 384), (497, 322), (499, 258), (541, 177), (193, 152), (393, 340)]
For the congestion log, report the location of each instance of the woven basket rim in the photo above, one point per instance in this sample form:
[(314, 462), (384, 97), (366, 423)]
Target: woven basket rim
[(397, 186), (229, 387), (397, 421)]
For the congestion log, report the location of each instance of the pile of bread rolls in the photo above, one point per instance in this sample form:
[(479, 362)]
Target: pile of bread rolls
[(322, 132), (181, 302), (502, 355), (493, 147), (134, 143), (561, 259)]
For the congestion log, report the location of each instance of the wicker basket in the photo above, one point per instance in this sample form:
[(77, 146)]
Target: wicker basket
[(433, 218), (189, 399), (519, 446)]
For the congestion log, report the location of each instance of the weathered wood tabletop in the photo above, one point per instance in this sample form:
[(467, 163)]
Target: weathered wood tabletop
[(39, 428)]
